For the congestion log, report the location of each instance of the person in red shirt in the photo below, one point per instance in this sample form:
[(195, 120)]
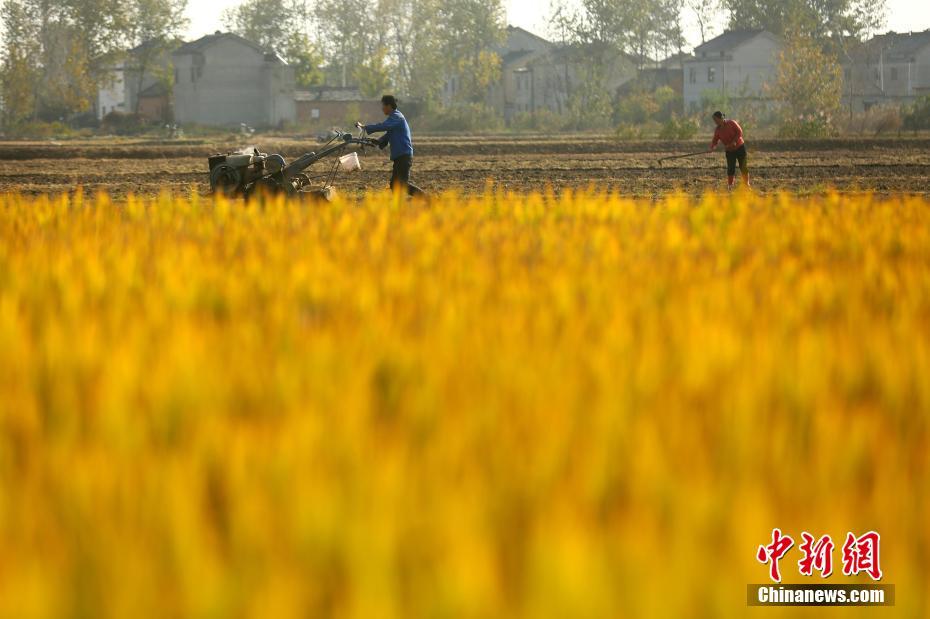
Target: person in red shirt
[(731, 135)]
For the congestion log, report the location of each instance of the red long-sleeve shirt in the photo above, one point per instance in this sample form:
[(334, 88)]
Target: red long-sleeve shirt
[(730, 133)]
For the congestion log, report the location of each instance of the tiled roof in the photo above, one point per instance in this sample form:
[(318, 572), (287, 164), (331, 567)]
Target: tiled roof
[(512, 29), (726, 42), (195, 47), (901, 46)]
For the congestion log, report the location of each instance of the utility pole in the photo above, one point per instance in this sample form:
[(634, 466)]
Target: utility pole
[(881, 70)]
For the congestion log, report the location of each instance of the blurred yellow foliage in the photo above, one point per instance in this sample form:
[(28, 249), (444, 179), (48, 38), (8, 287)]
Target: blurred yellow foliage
[(494, 406)]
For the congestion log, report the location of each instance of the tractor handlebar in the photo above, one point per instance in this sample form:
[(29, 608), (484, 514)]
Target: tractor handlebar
[(340, 140)]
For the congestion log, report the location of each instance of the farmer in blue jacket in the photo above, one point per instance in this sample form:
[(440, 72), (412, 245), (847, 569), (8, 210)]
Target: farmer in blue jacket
[(397, 134)]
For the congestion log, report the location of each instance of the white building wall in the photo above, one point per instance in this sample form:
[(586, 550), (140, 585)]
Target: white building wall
[(232, 83), (921, 72), (555, 79), (744, 73), (877, 81), (500, 95), (112, 95)]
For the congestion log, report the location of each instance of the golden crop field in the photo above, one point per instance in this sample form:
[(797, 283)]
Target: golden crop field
[(500, 406)]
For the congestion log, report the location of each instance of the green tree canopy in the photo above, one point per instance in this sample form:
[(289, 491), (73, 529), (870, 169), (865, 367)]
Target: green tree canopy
[(808, 87), (153, 28), (284, 26), (821, 19), (470, 30)]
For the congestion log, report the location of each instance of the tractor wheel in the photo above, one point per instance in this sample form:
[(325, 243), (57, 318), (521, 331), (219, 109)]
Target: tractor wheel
[(225, 180), (263, 188), (300, 181)]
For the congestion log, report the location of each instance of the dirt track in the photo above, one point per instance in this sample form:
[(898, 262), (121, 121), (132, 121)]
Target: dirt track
[(467, 164)]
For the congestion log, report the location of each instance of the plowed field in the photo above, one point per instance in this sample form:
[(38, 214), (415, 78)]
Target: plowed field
[(467, 164)]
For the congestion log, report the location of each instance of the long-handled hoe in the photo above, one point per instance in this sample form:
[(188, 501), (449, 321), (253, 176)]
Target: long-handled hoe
[(664, 159)]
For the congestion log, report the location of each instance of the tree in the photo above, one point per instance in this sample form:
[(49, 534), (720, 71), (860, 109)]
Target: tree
[(52, 42), (92, 33), (305, 58), (372, 75), (101, 25), (590, 105), (706, 13), (917, 116), (154, 25), (669, 34), (808, 87), (821, 19), (284, 26), (56, 53), (18, 71), (413, 35), (269, 24), (641, 29), (71, 79), (470, 30), (346, 35)]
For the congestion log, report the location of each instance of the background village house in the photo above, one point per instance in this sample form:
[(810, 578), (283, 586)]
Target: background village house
[(558, 75), (516, 90), (511, 93), (668, 72), (223, 79), (139, 84), (537, 75), (738, 64), (891, 69)]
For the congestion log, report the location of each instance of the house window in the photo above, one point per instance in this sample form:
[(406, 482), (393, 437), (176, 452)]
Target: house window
[(692, 75), (711, 74), (314, 113), (894, 74)]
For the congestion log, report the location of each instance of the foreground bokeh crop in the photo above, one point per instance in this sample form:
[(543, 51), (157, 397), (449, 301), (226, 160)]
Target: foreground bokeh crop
[(503, 406)]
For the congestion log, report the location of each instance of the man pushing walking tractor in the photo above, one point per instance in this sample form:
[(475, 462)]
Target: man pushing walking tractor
[(397, 135)]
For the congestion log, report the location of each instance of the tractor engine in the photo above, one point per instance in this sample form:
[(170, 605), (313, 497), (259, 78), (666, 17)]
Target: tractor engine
[(231, 173)]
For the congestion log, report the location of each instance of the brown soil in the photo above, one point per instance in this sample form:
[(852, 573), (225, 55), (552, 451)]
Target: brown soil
[(467, 164)]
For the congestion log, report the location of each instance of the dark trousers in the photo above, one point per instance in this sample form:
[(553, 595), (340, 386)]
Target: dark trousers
[(738, 155), (400, 176)]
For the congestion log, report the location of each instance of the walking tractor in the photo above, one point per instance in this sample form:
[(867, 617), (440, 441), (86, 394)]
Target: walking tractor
[(250, 173)]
